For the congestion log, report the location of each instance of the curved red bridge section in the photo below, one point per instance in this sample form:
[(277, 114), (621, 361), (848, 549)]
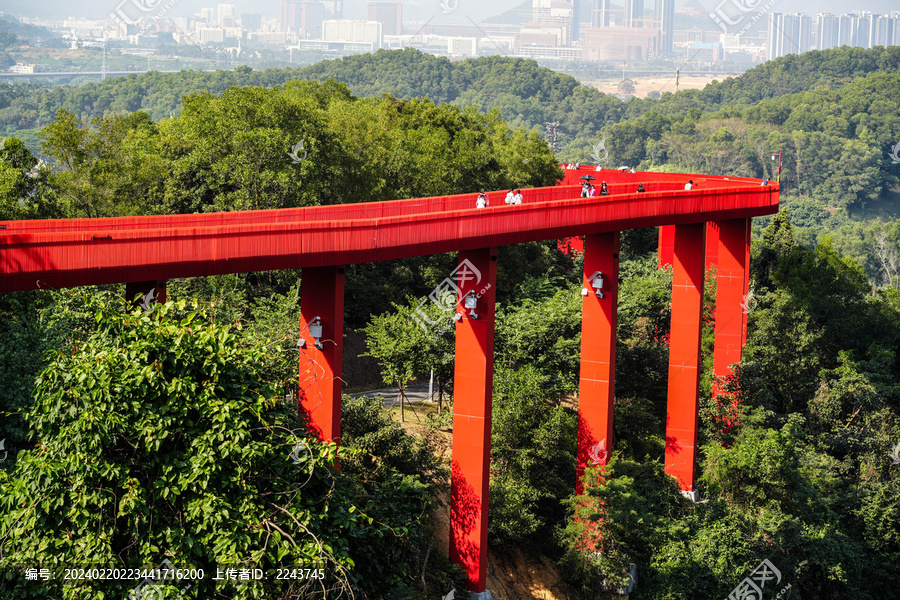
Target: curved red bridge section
[(707, 225)]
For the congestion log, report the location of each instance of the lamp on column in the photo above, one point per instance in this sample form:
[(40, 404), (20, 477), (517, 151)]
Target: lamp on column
[(315, 332), (469, 303), (596, 280)]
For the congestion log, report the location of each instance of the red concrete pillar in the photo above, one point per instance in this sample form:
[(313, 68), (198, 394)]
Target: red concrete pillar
[(321, 351), (151, 291), (712, 244), (684, 353), (747, 239), (598, 352), (731, 294), (473, 382), (666, 252)]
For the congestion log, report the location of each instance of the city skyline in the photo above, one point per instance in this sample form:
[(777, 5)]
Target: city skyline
[(413, 10)]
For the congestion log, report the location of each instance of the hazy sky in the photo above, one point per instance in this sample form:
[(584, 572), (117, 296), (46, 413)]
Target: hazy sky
[(420, 10)]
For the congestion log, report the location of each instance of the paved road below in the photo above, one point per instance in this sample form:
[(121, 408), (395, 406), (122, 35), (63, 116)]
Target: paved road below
[(414, 394)]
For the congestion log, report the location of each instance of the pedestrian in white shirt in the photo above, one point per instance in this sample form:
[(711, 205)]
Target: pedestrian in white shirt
[(510, 197), (518, 197), (689, 185), (482, 201)]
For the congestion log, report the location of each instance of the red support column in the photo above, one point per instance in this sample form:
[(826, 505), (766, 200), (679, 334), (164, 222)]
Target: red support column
[(322, 315), (598, 352), (731, 295), (473, 382), (712, 245), (684, 353), (666, 251), (747, 239)]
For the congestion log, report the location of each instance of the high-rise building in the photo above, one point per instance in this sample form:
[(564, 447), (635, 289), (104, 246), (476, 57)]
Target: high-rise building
[(789, 33), (826, 31), (304, 17), (558, 15), (883, 31), (576, 19), (601, 15), (346, 30), (389, 14), (634, 13), (225, 12), (208, 15), (540, 10), (212, 35), (335, 7), (665, 17)]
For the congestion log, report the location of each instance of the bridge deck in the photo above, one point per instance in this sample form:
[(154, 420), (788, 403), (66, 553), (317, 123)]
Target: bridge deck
[(73, 252)]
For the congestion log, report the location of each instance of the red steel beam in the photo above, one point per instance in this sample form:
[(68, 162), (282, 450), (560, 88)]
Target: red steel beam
[(598, 353), (684, 353), (322, 305), (473, 380), (69, 253)]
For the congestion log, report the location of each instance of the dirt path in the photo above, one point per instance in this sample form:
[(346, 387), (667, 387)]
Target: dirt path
[(660, 83)]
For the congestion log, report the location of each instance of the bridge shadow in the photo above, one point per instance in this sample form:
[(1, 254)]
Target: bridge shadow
[(465, 515)]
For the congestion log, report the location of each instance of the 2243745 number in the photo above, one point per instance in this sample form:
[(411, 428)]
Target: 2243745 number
[(301, 574)]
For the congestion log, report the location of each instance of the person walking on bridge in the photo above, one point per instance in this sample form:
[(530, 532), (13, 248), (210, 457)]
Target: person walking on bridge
[(604, 191), (482, 201), (510, 197), (641, 189), (517, 199), (689, 185)]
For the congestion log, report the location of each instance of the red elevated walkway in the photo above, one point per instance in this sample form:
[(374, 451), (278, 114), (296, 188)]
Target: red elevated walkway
[(146, 251)]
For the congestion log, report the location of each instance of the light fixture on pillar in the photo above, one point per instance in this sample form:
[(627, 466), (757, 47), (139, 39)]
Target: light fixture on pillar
[(596, 280), (470, 303), (315, 332)]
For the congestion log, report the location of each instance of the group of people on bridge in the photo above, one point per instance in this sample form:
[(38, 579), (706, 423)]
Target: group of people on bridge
[(514, 197)]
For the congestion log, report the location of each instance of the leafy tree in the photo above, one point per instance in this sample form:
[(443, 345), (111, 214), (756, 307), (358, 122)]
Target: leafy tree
[(532, 459), (157, 439)]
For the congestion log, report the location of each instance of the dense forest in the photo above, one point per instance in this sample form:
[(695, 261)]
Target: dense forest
[(135, 437)]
